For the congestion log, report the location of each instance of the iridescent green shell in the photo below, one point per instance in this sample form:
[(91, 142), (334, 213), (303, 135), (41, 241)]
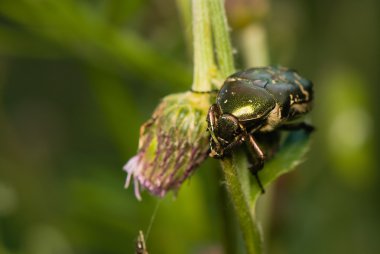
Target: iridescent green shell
[(253, 93)]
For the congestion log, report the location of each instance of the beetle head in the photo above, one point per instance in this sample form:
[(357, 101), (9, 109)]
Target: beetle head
[(228, 128)]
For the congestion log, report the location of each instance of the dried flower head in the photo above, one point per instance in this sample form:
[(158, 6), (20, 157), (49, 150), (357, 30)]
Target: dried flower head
[(172, 144)]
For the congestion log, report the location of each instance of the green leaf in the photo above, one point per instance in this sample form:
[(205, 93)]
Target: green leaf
[(291, 153)]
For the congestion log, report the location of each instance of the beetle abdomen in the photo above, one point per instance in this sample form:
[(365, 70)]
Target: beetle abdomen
[(291, 92)]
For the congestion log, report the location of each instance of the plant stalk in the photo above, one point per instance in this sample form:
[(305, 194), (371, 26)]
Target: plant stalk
[(204, 67), (251, 233), (237, 186), (222, 41)]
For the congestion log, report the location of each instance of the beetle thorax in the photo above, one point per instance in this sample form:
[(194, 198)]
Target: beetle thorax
[(228, 127)]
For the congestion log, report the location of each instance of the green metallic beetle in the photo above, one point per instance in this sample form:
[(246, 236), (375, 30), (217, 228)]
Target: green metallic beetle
[(254, 101)]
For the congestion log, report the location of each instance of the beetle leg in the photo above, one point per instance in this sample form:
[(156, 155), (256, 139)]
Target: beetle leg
[(212, 117), (256, 158), (255, 148), (238, 140), (298, 126)]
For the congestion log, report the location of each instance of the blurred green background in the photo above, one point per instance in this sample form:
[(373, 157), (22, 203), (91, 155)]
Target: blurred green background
[(78, 78)]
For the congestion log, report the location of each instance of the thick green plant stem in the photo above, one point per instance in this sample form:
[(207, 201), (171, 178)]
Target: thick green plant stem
[(221, 38), (229, 238), (251, 233), (237, 182), (204, 67), (237, 186)]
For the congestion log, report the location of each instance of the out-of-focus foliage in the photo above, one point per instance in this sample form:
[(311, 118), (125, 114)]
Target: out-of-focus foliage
[(78, 78)]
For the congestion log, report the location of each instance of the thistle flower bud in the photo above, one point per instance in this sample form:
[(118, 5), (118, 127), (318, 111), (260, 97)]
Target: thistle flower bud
[(172, 144)]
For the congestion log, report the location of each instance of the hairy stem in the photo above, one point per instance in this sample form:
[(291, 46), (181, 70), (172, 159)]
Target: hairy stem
[(204, 67), (229, 224), (251, 233), (237, 184), (221, 38)]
